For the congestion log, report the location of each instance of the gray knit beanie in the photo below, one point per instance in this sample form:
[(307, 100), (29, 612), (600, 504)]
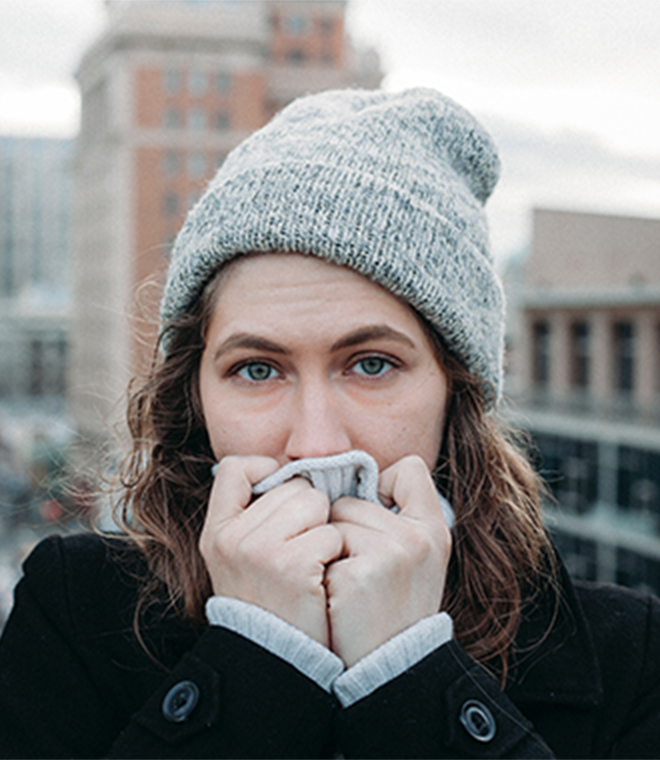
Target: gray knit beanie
[(391, 185)]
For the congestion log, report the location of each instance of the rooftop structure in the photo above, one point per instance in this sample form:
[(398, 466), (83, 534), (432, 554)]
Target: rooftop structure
[(585, 376)]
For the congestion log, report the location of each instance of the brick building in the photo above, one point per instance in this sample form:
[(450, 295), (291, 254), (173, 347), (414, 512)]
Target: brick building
[(585, 376), (168, 90)]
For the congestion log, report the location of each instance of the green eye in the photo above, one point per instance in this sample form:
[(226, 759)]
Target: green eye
[(256, 372), (372, 365)]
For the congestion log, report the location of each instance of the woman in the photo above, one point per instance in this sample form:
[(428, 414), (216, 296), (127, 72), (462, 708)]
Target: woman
[(332, 340)]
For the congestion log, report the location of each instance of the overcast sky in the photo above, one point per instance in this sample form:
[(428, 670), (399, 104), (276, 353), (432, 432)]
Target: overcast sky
[(569, 88)]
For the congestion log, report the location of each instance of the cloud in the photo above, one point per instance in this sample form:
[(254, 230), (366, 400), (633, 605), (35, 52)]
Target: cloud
[(568, 170), (519, 41), (43, 39), (46, 108), (569, 87), (592, 65)]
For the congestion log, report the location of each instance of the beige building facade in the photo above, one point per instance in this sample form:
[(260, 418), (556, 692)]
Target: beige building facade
[(168, 89), (585, 379)]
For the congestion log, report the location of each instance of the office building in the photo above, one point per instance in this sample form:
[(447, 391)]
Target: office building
[(585, 379), (35, 299), (168, 89)]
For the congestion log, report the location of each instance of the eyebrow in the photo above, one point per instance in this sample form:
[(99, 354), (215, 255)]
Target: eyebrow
[(248, 340), (362, 335), (372, 332)]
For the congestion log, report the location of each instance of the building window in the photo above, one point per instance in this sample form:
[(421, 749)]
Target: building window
[(624, 356), (570, 467), (172, 117), (541, 354), (295, 25), (222, 82), (196, 165), (327, 26), (638, 481), (170, 204), (580, 555), (197, 118), (197, 82), (296, 56), (171, 163), (637, 571), (222, 121), (172, 81), (48, 366), (580, 355)]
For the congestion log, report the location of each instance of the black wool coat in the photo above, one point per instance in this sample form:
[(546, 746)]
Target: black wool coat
[(75, 682)]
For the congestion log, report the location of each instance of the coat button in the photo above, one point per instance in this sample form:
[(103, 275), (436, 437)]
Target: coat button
[(478, 720), (180, 701)]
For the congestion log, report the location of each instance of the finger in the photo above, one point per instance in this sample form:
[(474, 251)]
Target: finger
[(360, 539), (409, 485), (348, 509), (232, 485), (324, 541), (288, 510)]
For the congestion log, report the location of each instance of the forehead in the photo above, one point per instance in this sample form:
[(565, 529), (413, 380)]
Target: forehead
[(294, 295), (291, 281)]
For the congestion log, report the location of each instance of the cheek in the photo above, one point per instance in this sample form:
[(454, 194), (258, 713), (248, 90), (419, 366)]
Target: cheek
[(423, 421), (413, 427), (234, 431)]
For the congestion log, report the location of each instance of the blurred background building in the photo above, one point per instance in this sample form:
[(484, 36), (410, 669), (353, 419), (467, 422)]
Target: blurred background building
[(585, 375), (86, 225), (35, 297), (168, 88), (35, 311), (167, 91)]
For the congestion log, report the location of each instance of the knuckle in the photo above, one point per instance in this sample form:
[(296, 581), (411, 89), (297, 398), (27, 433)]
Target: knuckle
[(446, 540), (414, 464), (252, 550), (420, 542), (318, 500), (313, 503), (400, 555), (228, 464)]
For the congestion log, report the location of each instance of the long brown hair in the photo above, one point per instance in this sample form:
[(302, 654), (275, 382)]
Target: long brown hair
[(501, 553)]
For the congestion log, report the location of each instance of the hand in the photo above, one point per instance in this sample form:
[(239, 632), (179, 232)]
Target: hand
[(271, 552), (393, 567)]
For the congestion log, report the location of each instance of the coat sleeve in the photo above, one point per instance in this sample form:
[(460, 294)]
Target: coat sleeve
[(445, 706), (63, 694)]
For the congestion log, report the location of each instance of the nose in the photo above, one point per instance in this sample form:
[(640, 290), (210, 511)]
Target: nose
[(317, 422)]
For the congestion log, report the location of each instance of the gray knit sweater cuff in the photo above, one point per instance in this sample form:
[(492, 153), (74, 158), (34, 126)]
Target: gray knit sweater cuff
[(278, 637), (320, 664), (393, 658)]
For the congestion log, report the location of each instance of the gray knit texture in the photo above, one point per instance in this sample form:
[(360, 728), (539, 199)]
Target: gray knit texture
[(392, 185), (352, 473)]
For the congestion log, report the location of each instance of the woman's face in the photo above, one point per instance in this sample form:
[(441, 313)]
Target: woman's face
[(307, 359)]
